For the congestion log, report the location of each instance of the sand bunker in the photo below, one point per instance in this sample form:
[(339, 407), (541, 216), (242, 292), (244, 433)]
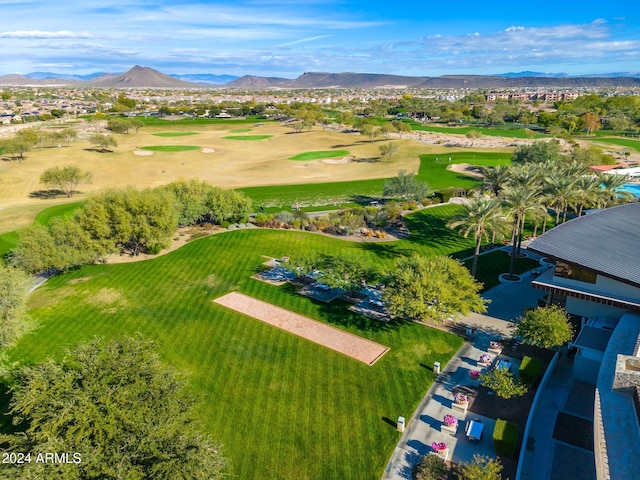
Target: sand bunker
[(344, 342), (466, 169), (144, 153), (341, 161), (208, 150)]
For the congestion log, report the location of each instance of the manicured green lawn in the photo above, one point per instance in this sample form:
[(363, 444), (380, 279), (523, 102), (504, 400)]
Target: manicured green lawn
[(497, 131), (433, 172), (66, 210), (174, 134), (281, 406), (433, 168), (9, 240), (171, 148), (319, 154), (249, 138), (623, 142), (155, 121)]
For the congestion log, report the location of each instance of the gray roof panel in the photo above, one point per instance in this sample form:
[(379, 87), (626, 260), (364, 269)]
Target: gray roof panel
[(607, 241)]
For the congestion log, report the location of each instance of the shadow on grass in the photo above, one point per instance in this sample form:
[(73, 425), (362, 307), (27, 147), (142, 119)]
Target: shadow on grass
[(46, 194), (389, 421)]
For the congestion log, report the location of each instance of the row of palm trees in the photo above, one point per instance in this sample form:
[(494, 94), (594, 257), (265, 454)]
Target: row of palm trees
[(512, 195)]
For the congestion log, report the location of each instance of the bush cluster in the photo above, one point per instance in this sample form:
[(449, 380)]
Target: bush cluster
[(530, 369), (505, 438)]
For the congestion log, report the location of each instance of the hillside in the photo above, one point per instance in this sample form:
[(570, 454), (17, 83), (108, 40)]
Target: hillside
[(142, 77)]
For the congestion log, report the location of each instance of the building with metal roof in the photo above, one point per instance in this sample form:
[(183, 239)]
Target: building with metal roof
[(596, 276)]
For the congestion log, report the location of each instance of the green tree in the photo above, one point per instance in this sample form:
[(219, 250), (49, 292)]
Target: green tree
[(481, 216), (386, 129), (103, 141), (370, 131), (66, 178), (119, 408), (473, 135), (405, 186), (546, 327), (431, 467), (438, 288), (14, 285), (132, 220), (349, 271), (502, 383), (387, 150), (537, 152), (17, 146), (62, 245), (520, 200), (480, 468)]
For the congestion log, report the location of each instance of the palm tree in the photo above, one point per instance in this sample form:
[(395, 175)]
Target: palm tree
[(588, 190), (495, 178), (610, 193), (559, 191), (482, 215), (520, 201)]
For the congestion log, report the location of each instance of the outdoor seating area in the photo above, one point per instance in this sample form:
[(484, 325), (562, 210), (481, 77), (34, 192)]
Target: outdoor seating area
[(474, 430)]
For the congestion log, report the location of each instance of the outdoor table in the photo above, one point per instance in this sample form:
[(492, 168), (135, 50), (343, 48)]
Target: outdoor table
[(474, 430)]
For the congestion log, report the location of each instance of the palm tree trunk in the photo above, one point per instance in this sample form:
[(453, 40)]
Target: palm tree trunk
[(512, 266), (544, 223), (476, 254)]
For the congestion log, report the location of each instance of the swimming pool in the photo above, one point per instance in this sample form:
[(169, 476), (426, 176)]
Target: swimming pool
[(631, 188)]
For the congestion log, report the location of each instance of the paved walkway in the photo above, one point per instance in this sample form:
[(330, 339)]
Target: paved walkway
[(508, 301)]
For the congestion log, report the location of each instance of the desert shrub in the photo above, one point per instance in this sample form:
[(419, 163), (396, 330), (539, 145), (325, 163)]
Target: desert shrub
[(261, 219), (284, 216), (505, 438), (530, 370), (431, 467), (225, 224)]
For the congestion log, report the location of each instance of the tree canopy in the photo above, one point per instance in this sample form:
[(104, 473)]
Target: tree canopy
[(546, 327), (118, 408), (13, 299), (405, 186), (66, 178), (438, 288)]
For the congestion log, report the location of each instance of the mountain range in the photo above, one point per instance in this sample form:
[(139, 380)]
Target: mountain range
[(145, 77)]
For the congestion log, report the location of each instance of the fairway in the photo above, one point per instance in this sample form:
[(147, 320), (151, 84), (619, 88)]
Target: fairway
[(171, 148), (174, 134), (319, 155), (248, 138)]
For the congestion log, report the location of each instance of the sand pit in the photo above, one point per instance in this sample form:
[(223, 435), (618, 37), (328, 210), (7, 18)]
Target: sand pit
[(466, 169), (338, 340), (208, 150), (341, 161), (144, 153)]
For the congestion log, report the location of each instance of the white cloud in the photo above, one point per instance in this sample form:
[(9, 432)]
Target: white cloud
[(37, 34)]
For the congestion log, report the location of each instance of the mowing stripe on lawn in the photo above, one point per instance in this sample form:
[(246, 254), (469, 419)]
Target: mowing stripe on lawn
[(343, 342)]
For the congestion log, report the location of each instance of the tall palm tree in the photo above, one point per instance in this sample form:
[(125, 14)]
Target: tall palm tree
[(587, 192), (495, 178), (610, 193), (559, 190), (482, 215), (520, 201)]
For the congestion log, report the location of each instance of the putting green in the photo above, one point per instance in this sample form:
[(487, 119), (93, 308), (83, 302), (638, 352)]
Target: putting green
[(247, 137), (318, 154), (170, 148), (174, 134)]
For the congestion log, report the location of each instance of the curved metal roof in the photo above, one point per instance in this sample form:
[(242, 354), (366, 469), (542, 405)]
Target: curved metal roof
[(607, 241)]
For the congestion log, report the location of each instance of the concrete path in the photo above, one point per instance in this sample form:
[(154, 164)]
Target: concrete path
[(508, 301), (425, 426)]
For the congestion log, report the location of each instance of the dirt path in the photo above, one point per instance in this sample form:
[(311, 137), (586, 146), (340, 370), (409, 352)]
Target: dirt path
[(343, 342)]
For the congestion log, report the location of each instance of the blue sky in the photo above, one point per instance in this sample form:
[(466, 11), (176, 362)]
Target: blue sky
[(288, 37)]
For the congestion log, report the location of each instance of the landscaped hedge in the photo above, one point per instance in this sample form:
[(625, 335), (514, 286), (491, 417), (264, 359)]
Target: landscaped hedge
[(530, 370), (505, 438)]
